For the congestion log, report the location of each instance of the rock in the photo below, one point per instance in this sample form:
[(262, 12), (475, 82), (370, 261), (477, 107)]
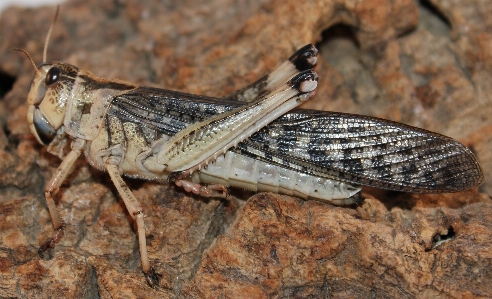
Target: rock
[(427, 65), (287, 247)]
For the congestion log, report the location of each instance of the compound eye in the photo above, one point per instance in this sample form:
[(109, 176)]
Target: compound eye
[(52, 76)]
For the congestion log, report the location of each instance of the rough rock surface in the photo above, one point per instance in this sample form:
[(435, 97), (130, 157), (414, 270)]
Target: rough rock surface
[(426, 63)]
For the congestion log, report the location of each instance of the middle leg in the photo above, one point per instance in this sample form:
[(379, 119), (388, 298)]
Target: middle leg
[(136, 212)]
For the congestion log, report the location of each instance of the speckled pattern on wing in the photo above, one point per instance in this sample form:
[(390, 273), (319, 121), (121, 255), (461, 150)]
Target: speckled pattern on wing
[(353, 148)]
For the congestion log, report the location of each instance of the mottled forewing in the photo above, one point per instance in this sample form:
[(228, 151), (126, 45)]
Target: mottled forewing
[(353, 148), (164, 111), (366, 151)]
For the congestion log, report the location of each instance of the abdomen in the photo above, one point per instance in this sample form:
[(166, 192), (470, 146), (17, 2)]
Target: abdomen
[(233, 169)]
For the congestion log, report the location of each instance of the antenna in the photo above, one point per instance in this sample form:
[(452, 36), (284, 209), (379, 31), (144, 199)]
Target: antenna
[(29, 57), (46, 42)]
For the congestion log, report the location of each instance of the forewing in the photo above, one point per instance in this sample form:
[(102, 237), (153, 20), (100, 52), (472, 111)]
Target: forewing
[(366, 151), (353, 148), (164, 111)]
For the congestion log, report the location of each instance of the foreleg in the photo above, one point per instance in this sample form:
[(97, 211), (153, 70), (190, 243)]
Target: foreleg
[(53, 186)]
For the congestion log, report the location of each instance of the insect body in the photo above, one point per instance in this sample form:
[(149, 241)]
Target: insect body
[(253, 139)]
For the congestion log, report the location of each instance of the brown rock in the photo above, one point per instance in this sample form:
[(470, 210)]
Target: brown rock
[(424, 65), (286, 247), (67, 275)]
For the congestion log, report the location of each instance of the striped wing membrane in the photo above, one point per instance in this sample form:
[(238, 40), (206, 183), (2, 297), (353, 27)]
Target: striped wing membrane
[(353, 148), (367, 151)]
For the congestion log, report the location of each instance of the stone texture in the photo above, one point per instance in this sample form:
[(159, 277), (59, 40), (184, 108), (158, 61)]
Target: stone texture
[(426, 64), (286, 247)]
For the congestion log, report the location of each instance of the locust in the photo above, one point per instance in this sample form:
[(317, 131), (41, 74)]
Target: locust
[(254, 139)]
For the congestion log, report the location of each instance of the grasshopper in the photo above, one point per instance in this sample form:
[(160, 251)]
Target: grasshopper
[(254, 139)]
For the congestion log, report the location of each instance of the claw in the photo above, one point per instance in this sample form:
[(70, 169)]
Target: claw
[(51, 242), (152, 278), (43, 248)]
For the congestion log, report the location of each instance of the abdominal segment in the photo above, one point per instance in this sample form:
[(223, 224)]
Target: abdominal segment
[(234, 169)]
